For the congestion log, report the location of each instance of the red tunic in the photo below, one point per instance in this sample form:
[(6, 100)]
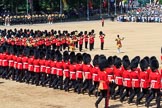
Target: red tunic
[(135, 78), (155, 79), (1, 59), (80, 41), (87, 71), (53, 67), (72, 69), (59, 66), (48, 67), (25, 62), (42, 65), (110, 74), (4, 59), (15, 61), (79, 71), (19, 63), (144, 79), (91, 39), (86, 38), (10, 60), (36, 65), (127, 81), (95, 75), (102, 38), (30, 64), (104, 82), (66, 69), (118, 76)]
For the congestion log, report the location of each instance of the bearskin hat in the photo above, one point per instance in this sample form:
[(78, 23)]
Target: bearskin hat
[(73, 59), (125, 58), (110, 61), (103, 63), (126, 64), (144, 64), (101, 57), (95, 60), (79, 57), (147, 59), (152, 58), (133, 64), (154, 65), (59, 57), (72, 53), (85, 32), (100, 33), (87, 59), (118, 62), (65, 56)]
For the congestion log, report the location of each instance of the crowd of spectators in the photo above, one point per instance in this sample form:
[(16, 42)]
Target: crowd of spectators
[(149, 13)]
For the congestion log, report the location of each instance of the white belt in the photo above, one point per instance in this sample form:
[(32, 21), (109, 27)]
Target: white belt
[(119, 77), (19, 63), (72, 72), (10, 60), (95, 74), (126, 78), (4, 60), (59, 69), (48, 67), (79, 71), (36, 66), (66, 70), (135, 79), (87, 72), (43, 66), (109, 75), (25, 63), (153, 81), (143, 80)]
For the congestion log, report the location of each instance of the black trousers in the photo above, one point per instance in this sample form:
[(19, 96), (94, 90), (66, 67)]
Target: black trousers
[(94, 87), (72, 84), (66, 83), (86, 44), (10, 70), (119, 91), (102, 45), (37, 78), (79, 85), (152, 96), (103, 94), (143, 93), (76, 44), (90, 46), (87, 85), (126, 93), (60, 82), (80, 47), (134, 92)]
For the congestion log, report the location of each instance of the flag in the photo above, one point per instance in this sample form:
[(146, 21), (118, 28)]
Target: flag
[(104, 3), (90, 4)]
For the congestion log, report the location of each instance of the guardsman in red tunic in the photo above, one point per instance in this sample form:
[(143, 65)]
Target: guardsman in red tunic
[(161, 55), (135, 79), (110, 73), (93, 37), (79, 73), (91, 41), (72, 69), (102, 36), (87, 68), (64, 42), (10, 64), (30, 67), (59, 66), (66, 72), (36, 63), (80, 41), (118, 72), (155, 83), (15, 64), (19, 74), (144, 80), (4, 61), (103, 82), (95, 76), (127, 81), (42, 67), (86, 39)]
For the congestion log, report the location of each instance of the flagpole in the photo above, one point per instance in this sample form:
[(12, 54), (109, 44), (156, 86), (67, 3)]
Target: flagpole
[(27, 3), (115, 8), (108, 10), (88, 10), (100, 9)]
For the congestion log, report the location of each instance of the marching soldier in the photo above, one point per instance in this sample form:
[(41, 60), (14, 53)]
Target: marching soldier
[(86, 39), (7, 20), (155, 83), (103, 83), (80, 41)]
